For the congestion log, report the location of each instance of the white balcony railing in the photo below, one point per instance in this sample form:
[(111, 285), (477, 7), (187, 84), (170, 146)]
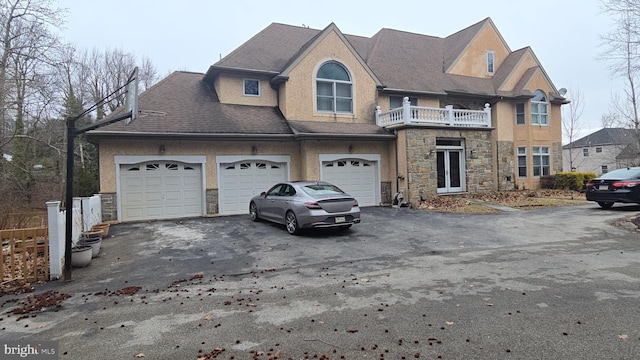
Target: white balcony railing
[(448, 116)]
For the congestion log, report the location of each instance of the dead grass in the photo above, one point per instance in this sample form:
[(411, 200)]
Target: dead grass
[(491, 202)]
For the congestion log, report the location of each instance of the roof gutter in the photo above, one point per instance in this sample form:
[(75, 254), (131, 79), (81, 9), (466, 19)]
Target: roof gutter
[(120, 134), (417, 92), (215, 70)]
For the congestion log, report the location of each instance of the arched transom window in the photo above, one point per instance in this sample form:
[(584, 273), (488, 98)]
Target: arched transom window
[(334, 89), (539, 109)]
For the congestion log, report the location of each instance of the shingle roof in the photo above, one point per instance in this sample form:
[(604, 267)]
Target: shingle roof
[(337, 129), (183, 103), (606, 136), (400, 60)]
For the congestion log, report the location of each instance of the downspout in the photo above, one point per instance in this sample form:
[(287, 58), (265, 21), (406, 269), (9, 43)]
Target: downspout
[(395, 131), (498, 164)]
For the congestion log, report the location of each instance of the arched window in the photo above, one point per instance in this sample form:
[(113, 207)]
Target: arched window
[(539, 108), (333, 89)]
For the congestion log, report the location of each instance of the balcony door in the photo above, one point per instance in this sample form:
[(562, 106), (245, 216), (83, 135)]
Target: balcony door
[(450, 165)]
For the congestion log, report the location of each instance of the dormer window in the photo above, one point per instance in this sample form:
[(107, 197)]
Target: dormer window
[(251, 87), (490, 62), (333, 89), (539, 109)]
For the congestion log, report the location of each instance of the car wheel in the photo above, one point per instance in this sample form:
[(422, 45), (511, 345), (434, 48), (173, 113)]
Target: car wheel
[(292, 223), (253, 212), (605, 204)]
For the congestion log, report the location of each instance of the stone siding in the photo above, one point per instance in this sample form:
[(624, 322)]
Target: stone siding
[(385, 189), (109, 207), (212, 201), (422, 161), (556, 157), (507, 177)]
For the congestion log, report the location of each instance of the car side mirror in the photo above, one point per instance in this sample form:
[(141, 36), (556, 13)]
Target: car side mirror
[(264, 193)]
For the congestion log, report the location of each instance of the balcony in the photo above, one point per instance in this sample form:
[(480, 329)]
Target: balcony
[(418, 115)]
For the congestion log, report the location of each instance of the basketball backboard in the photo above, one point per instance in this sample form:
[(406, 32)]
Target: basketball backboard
[(131, 96)]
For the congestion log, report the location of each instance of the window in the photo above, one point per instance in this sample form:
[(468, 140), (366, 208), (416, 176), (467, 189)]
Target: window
[(539, 109), (490, 58), (585, 152), (522, 162), (605, 169), (541, 164), (251, 87), (333, 89), (520, 114), (396, 101), (598, 150)]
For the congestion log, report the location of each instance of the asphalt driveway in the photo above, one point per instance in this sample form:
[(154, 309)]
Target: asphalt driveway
[(540, 284)]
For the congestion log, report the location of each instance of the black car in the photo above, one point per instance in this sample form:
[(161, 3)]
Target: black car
[(621, 185)]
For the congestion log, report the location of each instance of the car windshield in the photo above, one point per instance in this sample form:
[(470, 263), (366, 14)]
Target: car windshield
[(622, 174), (322, 189)]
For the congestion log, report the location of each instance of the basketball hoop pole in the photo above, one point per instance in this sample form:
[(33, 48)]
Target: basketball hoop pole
[(72, 132)]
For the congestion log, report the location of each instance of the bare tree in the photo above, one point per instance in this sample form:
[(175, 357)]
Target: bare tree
[(622, 51), (27, 96), (17, 21), (571, 122), (609, 120), (148, 74)]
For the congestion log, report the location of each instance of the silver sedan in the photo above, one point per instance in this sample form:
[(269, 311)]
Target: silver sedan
[(305, 204)]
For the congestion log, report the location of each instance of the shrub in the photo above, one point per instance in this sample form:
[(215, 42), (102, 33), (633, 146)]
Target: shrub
[(548, 182), (576, 181)]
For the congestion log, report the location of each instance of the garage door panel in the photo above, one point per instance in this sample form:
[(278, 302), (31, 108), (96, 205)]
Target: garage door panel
[(172, 180), (354, 176), (160, 190), (173, 195), (242, 180)]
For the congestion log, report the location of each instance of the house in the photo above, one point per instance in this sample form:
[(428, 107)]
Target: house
[(394, 113), (602, 151)]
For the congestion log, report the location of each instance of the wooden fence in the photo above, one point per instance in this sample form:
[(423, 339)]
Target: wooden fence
[(25, 255)]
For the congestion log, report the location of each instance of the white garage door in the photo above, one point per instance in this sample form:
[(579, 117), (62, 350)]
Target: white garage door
[(242, 180), (160, 190), (354, 176)]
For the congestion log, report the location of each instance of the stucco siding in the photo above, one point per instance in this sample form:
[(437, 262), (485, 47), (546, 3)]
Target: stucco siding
[(209, 149), (299, 104), (473, 62), (230, 90)]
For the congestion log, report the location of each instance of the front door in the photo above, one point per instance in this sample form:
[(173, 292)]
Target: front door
[(450, 166)]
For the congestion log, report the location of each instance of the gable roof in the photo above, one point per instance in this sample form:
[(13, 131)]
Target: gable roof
[(457, 43), (606, 136), (304, 50), (400, 61), (184, 104)]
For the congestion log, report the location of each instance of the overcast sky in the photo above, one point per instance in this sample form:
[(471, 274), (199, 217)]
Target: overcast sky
[(193, 34)]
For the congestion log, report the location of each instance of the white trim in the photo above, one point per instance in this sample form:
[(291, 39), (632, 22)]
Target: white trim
[(493, 62), (227, 159), (461, 149), (135, 159), (244, 88), (224, 159), (368, 157), (352, 82)]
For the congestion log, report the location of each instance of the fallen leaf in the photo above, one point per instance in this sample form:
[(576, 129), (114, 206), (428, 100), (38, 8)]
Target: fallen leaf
[(208, 317), (449, 322), (489, 304), (138, 355), (623, 337)]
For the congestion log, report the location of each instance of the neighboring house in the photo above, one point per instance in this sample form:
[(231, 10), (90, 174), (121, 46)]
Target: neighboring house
[(396, 112), (602, 151)]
